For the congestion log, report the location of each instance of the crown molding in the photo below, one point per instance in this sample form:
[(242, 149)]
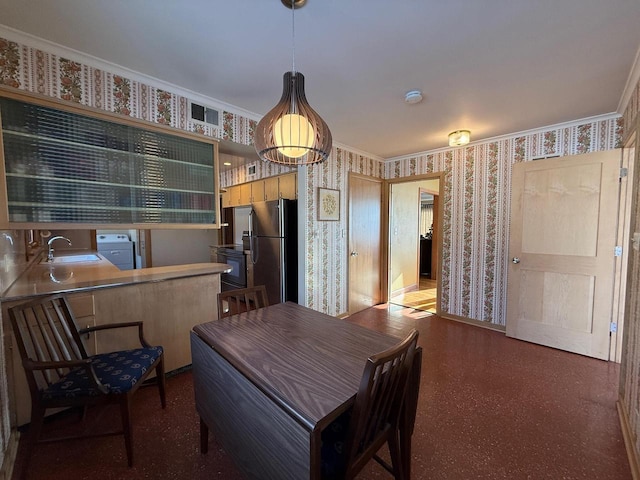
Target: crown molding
[(358, 151), (573, 123), (86, 59), (630, 86)]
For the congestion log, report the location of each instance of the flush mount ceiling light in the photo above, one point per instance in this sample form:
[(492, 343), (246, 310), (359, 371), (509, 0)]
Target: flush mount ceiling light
[(292, 133), (459, 138)]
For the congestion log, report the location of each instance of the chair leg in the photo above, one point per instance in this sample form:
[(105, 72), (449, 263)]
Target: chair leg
[(396, 457), (35, 427), (161, 382), (125, 412), (405, 450), (204, 437)]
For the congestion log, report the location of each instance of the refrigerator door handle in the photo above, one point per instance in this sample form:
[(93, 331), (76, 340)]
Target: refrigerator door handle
[(253, 244), (255, 253)]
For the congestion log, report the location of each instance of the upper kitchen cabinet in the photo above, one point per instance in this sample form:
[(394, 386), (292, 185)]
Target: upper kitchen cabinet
[(70, 166), (288, 186), (237, 196), (271, 188)]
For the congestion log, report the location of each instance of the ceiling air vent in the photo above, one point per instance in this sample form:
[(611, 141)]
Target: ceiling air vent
[(202, 114)]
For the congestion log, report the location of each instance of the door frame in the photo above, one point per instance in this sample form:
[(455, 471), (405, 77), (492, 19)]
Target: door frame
[(386, 221), (622, 295)]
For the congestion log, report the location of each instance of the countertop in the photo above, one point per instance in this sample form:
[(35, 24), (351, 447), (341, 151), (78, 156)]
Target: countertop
[(46, 278)]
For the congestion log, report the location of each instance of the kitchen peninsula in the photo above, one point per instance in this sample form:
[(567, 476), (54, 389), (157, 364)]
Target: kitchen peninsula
[(170, 300)]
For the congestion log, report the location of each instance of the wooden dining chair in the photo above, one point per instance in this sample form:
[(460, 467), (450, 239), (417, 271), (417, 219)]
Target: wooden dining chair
[(60, 373), (350, 442), (242, 300)]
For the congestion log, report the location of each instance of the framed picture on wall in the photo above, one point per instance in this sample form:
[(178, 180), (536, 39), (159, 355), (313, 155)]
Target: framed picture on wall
[(328, 204)]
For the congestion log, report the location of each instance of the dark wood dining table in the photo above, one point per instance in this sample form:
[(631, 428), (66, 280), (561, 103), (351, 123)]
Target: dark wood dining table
[(268, 381)]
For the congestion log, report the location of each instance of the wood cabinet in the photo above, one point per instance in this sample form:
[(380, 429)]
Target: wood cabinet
[(237, 195), (270, 188), (288, 186), (67, 164), (226, 198), (244, 194), (169, 310), (258, 191)]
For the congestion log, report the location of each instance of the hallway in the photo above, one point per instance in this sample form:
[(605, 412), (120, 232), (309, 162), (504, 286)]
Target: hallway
[(422, 299)]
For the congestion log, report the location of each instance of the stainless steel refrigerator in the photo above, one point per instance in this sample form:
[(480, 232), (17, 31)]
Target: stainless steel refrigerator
[(273, 240)]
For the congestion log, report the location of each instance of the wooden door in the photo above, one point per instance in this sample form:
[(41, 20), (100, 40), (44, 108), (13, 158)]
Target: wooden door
[(561, 252), (365, 233)]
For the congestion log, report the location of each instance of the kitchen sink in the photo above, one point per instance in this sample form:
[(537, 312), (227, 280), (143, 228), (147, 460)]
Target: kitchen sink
[(86, 257)]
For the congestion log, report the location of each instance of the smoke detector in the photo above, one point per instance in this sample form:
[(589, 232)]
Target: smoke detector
[(413, 96)]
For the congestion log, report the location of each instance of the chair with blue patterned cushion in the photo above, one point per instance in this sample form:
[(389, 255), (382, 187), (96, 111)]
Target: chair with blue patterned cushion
[(60, 373)]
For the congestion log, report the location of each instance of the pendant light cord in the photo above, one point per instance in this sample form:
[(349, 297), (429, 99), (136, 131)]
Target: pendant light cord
[(293, 34)]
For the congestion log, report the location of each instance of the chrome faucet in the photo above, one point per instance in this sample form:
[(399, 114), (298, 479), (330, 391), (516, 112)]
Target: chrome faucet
[(51, 240)]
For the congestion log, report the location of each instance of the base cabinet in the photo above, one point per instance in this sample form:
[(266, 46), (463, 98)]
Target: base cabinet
[(169, 310)]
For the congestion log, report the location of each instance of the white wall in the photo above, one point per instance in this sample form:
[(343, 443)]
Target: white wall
[(404, 233)]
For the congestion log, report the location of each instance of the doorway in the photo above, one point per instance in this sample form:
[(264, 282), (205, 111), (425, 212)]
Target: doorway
[(414, 242)]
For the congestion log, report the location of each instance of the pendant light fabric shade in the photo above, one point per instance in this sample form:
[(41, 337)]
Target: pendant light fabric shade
[(292, 133)]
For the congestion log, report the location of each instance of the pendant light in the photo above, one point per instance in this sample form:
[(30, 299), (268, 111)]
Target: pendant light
[(292, 133)]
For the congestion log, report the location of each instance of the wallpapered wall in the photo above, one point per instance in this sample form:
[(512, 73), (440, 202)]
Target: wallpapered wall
[(476, 188), (476, 203), (475, 230)]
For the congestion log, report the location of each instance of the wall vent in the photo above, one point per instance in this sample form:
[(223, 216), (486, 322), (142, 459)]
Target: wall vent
[(205, 115)]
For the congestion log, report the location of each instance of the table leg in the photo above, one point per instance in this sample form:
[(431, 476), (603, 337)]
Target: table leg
[(204, 437)]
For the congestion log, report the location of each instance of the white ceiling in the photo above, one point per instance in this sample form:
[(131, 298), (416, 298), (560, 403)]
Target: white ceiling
[(491, 66)]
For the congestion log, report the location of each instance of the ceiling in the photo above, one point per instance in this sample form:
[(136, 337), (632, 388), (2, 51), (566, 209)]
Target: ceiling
[(492, 66)]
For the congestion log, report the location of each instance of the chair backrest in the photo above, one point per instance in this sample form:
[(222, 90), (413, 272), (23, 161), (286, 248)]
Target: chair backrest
[(379, 402), (46, 331), (242, 300)]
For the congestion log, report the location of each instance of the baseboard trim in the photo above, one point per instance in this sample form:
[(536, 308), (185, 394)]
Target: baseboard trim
[(475, 323), (627, 434), (401, 291), (6, 470)]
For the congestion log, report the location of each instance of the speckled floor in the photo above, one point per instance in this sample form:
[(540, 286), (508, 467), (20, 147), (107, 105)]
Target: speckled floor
[(490, 408)]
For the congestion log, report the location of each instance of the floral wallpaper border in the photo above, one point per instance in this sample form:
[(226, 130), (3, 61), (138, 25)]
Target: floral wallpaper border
[(45, 73)]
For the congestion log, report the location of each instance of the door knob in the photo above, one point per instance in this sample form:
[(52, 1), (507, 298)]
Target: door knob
[(515, 260), (354, 254)]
